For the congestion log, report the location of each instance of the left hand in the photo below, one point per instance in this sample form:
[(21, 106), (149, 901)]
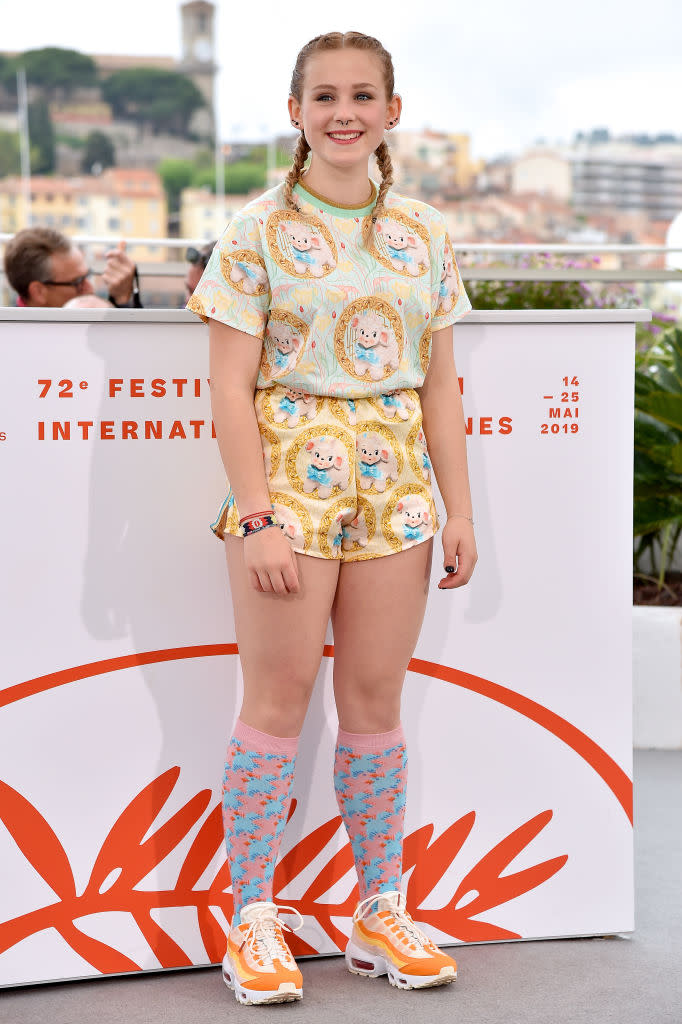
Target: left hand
[(118, 274), (459, 550)]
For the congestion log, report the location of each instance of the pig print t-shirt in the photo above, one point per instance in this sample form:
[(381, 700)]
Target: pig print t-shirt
[(335, 317)]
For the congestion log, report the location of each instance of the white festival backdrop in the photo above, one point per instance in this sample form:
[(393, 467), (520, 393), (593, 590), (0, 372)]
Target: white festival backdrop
[(121, 682)]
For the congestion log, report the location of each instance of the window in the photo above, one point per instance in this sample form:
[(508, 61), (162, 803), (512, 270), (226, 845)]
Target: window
[(113, 223)]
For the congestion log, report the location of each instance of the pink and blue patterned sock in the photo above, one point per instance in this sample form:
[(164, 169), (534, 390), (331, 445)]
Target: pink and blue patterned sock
[(257, 783), (370, 780)]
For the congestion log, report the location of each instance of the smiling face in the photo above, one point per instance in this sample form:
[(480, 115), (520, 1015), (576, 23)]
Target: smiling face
[(343, 107)]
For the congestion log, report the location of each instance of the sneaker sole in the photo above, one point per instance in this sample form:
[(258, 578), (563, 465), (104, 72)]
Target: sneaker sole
[(286, 993), (371, 965)]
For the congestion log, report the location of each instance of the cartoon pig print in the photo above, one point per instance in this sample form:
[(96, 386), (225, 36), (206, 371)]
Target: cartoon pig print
[(376, 461), (287, 344), (289, 524), (293, 406), (406, 249), (416, 517), (397, 403), (328, 467), (426, 461), (252, 278), (310, 251), (355, 532), (449, 289), (376, 348)]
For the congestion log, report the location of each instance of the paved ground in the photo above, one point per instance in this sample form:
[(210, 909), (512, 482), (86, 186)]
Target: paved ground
[(634, 980)]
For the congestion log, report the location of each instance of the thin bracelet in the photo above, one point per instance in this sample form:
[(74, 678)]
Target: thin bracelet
[(256, 515), (462, 514)]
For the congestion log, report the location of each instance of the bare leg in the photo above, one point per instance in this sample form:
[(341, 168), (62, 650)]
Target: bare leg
[(280, 640), (377, 616)]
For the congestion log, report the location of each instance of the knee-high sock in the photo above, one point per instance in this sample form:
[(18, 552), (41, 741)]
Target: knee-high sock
[(259, 774), (370, 780)]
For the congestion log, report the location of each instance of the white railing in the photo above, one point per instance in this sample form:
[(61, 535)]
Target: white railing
[(174, 268), (493, 247)]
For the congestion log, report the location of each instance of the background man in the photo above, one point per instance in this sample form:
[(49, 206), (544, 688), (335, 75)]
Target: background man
[(197, 260), (46, 269)]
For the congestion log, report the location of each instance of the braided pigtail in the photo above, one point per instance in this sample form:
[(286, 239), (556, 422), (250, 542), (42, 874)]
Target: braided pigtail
[(385, 166), (300, 155)]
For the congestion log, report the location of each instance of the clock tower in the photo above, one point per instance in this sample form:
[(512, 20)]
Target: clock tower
[(198, 47)]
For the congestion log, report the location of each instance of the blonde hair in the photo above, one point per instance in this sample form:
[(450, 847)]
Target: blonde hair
[(341, 41)]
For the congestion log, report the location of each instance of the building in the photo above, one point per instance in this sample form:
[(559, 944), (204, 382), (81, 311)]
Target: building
[(544, 172), (119, 203), (203, 215), (429, 163), (198, 59), (628, 177)]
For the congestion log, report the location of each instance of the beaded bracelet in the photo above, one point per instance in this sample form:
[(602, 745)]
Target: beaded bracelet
[(255, 523)]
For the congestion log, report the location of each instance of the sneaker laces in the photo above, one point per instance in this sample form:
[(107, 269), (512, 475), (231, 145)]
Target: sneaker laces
[(399, 914), (265, 937)]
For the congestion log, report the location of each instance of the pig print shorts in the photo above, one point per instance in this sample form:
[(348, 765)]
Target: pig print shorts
[(348, 478)]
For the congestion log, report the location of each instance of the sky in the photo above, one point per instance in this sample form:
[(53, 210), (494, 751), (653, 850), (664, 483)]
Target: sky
[(507, 73)]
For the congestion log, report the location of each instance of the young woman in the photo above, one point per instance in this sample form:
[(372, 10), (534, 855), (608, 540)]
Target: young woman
[(332, 301)]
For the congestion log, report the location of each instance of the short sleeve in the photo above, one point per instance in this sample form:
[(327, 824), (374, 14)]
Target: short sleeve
[(449, 300), (234, 288)]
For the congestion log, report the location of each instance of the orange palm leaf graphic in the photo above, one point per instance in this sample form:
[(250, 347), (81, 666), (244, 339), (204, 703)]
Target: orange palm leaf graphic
[(37, 841), (125, 859), (123, 848)]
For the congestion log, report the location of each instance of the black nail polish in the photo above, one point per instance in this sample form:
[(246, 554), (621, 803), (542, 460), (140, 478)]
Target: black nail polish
[(449, 568)]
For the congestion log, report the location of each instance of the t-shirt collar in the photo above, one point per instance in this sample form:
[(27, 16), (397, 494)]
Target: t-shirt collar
[(336, 209)]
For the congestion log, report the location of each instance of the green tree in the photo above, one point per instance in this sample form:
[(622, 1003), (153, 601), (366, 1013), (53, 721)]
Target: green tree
[(176, 175), (41, 134), (52, 69), (240, 177), (163, 100), (244, 176), (99, 149), (10, 162)]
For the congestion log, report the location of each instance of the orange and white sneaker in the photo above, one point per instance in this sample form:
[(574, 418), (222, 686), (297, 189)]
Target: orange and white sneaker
[(258, 965), (389, 942)]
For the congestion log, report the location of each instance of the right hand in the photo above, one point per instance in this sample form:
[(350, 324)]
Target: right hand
[(271, 562)]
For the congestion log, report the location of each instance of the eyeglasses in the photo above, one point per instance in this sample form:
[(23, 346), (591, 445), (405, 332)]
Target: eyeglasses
[(76, 283), (193, 256)]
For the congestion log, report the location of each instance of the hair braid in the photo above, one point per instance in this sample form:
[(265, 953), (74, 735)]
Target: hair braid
[(300, 154), (383, 155)]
